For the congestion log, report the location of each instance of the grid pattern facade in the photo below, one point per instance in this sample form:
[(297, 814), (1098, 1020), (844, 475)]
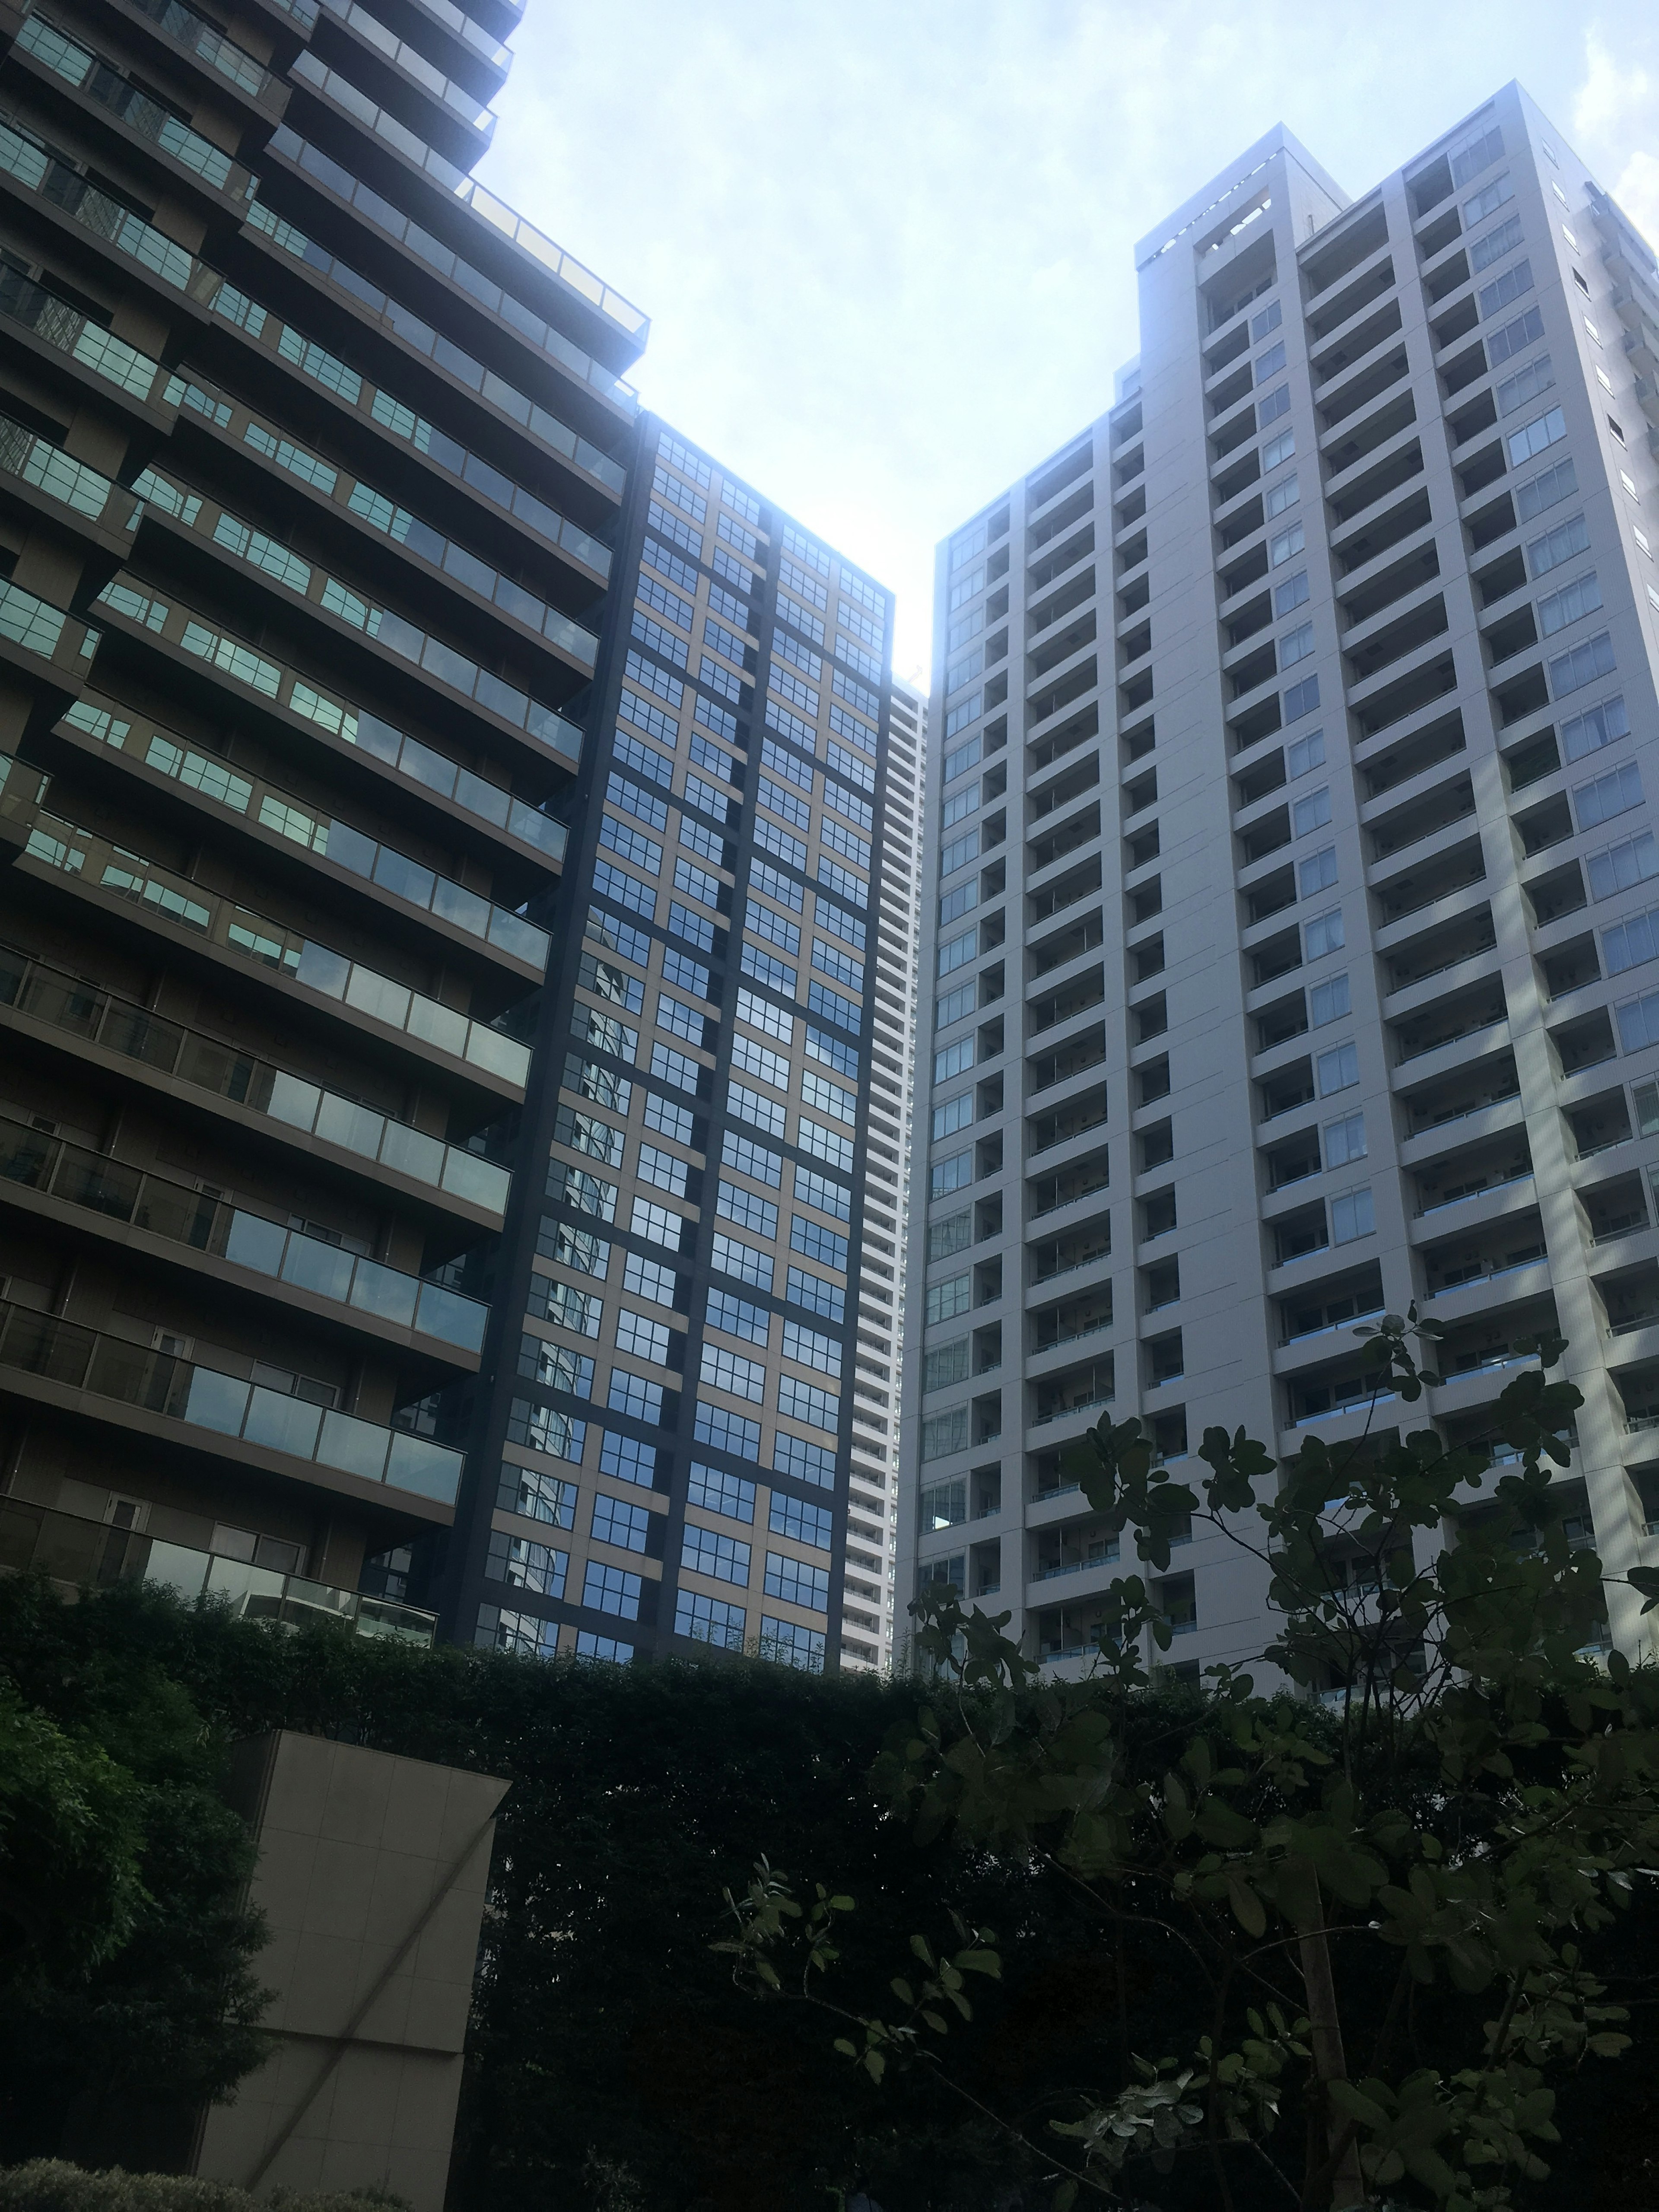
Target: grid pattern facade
[(1291, 872), (311, 457), (664, 1462)]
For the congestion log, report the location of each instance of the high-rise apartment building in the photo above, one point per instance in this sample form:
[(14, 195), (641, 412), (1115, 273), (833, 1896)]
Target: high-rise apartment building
[(310, 459), (404, 913), (664, 1456), (869, 1626), (1293, 887)]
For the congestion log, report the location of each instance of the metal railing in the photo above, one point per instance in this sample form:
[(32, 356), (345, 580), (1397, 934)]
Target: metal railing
[(205, 1398), (76, 1176), (93, 1555), (33, 165), (119, 1025), (221, 54), (79, 66), (67, 330)]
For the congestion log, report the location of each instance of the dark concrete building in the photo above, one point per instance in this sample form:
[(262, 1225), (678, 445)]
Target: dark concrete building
[(442, 811), (311, 458)]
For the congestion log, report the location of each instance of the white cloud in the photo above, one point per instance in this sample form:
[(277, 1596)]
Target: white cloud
[(1615, 95), (1638, 193)]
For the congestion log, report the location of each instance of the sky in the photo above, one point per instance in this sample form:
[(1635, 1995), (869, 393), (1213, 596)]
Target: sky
[(886, 245)]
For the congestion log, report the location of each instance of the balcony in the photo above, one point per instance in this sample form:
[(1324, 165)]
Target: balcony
[(168, 1051), (182, 1402), (1080, 1390), (37, 637), (481, 293), (123, 374), (91, 863), (275, 820), (102, 509), (210, 49), (174, 1213), (91, 1555), (54, 182)]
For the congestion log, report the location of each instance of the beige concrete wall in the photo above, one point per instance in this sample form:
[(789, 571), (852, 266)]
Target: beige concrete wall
[(371, 1875)]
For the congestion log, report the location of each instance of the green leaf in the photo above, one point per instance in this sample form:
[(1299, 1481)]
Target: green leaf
[(1357, 2105), (1248, 1908)]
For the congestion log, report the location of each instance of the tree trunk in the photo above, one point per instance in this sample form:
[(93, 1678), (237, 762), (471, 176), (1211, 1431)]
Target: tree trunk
[(1348, 2182)]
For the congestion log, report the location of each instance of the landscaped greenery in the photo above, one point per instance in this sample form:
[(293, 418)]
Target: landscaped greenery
[(619, 2064)]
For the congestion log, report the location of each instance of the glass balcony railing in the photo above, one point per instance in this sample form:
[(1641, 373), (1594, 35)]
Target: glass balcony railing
[(352, 389), (45, 467), (210, 45), (472, 110), (79, 66), (65, 329), (94, 860), (31, 163), (513, 312), (541, 248), (240, 664), (70, 1173), (214, 780), (94, 1555), (471, 33), (118, 1025), (434, 445)]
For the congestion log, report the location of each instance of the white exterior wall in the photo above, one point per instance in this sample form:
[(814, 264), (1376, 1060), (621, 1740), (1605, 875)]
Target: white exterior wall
[(1135, 634)]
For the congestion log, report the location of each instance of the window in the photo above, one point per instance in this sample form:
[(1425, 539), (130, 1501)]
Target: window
[(1487, 201), (626, 1460), (540, 1428), (952, 1005), (829, 1097), (1638, 1022), (1328, 1001), (1570, 604), (813, 1241), (585, 1132), (957, 952), (675, 1067), (788, 1644), (729, 1371), (737, 1317), (658, 1224), (691, 927), (803, 1462), (555, 1366), (609, 1589), (1269, 363), (765, 1113), (1301, 698), (589, 1646), (945, 1365), (1296, 645), (956, 1113), (742, 1261), (945, 1433), (757, 1215), (633, 1395), (1544, 489), (953, 1060), (644, 1279), (801, 1522), (1312, 812), (1345, 1140), (525, 1633), (1287, 597), (663, 1170), (947, 1299), (1282, 495), (1268, 318), (644, 1339), (536, 1496), (954, 904), (1515, 337), (569, 1308), (1536, 436), (1587, 733), (705, 1619), (797, 1582), (949, 1236), (587, 1193), (811, 1349), (526, 1565), (762, 1014), (827, 1299), (951, 1174), (1275, 405), (805, 1401), (1515, 281), (1352, 1215), (1304, 754), (1495, 245), (1525, 384), (667, 1119), (755, 1060), (1338, 1069), (1317, 872), (1615, 793), (772, 926), (831, 1198), (717, 1491), (1620, 867), (751, 1159), (1560, 544), (1570, 671), (1286, 544), (1277, 450), (1629, 943), (575, 1248)]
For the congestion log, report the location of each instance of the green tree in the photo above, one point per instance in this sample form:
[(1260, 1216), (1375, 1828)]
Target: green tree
[(126, 1993), (1374, 1925)]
